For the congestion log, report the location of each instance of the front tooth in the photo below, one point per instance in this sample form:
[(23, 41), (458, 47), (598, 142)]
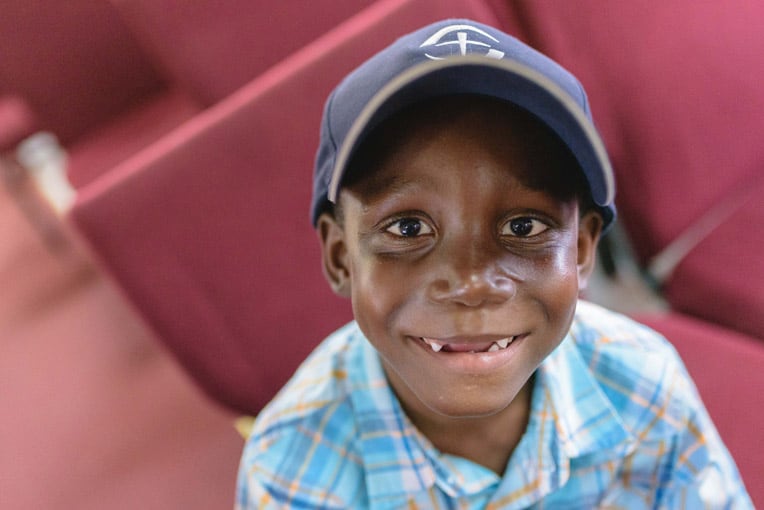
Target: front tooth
[(435, 346), (504, 342), (494, 347)]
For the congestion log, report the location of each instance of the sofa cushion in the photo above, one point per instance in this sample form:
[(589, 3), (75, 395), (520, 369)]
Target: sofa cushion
[(213, 48), (722, 278)]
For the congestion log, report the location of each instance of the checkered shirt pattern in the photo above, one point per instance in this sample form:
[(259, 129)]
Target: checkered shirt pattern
[(615, 422)]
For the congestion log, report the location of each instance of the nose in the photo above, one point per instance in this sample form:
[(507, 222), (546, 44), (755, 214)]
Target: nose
[(472, 275)]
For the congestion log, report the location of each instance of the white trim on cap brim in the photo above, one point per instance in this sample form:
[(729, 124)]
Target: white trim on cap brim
[(416, 72)]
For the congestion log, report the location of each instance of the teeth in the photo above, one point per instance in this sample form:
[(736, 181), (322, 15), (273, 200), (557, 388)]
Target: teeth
[(496, 346), (500, 344), (433, 344)]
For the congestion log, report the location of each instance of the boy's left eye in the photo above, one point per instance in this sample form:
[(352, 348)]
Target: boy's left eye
[(523, 227), (409, 227)]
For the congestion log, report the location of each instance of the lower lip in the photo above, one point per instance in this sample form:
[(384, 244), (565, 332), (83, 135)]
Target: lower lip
[(474, 362)]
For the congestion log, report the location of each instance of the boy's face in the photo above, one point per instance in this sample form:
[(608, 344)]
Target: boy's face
[(462, 277)]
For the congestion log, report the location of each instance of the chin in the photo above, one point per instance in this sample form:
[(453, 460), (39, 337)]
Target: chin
[(469, 406)]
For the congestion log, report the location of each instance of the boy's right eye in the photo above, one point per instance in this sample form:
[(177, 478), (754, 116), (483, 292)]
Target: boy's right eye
[(409, 227)]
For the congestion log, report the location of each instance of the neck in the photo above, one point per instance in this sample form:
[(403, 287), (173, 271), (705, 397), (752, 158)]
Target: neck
[(485, 440)]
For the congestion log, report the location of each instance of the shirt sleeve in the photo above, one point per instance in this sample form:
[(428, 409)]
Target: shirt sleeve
[(258, 486), (250, 494), (302, 464), (703, 472)]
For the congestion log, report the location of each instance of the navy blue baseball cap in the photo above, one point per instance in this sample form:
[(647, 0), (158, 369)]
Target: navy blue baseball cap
[(458, 57)]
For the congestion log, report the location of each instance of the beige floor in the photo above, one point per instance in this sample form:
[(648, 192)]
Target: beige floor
[(95, 414)]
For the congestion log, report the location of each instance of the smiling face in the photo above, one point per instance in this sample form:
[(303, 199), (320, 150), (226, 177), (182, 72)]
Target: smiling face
[(462, 266)]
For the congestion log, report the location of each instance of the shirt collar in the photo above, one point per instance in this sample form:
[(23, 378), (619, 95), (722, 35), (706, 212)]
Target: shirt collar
[(399, 460), (392, 453), (570, 417), (585, 419)]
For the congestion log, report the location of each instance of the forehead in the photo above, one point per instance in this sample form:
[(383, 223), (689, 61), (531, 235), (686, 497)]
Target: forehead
[(506, 131)]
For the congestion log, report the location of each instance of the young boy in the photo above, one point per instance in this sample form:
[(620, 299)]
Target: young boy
[(460, 190)]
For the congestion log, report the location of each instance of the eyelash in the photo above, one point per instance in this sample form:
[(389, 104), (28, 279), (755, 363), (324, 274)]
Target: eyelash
[(425, 225), (535, 224), (421, 224)]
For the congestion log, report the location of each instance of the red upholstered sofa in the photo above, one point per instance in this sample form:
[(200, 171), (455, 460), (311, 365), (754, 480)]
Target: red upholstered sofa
[(194, 179), (84, 77), (109, 78)]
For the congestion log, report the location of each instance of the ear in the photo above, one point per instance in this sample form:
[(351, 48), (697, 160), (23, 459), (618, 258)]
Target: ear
[(589, 230), (334, 254)]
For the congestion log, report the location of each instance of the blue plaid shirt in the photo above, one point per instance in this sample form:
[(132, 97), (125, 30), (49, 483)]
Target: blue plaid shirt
[(615, 423)]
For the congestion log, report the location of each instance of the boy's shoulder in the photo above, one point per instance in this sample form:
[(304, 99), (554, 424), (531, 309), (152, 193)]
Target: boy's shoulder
[(307, 434), (597, 327), (619, 393), (318, 385), (638, 370)]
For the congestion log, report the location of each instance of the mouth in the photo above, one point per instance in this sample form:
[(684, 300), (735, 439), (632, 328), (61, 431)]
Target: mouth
[(470, 346)]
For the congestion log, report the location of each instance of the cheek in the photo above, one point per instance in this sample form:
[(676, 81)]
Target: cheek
[(554, 281), (562, 290), (565, 264), (377, 295)]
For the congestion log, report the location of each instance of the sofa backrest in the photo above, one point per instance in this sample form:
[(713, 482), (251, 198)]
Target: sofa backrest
[(212, 48), (208, 230)]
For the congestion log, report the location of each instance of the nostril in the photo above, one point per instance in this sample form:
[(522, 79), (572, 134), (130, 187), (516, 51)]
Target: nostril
[(473, 290)]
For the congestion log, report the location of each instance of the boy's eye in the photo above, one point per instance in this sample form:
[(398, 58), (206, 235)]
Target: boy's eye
[(523, 227), (409, 227)]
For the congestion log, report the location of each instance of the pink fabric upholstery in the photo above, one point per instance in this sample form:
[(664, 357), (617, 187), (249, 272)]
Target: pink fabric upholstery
[(676, 90), (722, 279), (17, 121), (208, 231), (74, 62), (727, 369), (213, 48), (95, 413), (83, 76), (101, 149)]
